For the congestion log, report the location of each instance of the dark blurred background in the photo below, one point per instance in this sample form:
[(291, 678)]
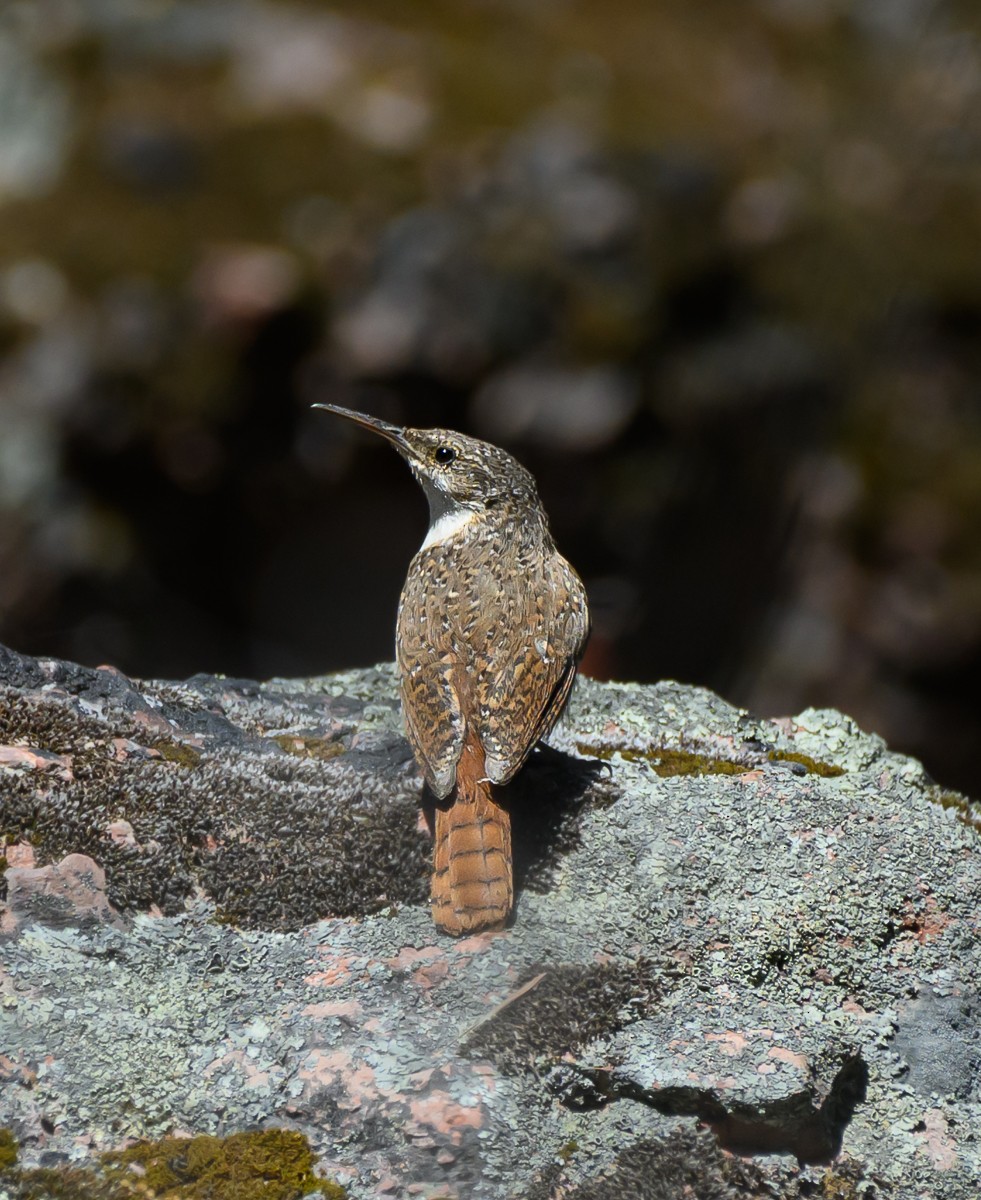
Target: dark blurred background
[(712, 271)]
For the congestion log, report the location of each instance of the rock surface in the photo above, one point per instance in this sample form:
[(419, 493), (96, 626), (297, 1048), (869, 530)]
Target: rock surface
[(215, 920)]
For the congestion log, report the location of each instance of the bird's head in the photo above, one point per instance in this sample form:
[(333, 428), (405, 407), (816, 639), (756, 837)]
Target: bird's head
[(456, 471)]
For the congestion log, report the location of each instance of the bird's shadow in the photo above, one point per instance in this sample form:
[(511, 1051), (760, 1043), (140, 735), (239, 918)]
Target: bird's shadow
[(546, 800)]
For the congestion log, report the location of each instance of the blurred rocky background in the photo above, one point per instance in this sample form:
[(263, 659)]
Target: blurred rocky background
[(712, 271)]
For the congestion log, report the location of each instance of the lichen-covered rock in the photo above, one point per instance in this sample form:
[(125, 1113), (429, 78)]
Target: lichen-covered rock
[(216, 921), (283, 806)]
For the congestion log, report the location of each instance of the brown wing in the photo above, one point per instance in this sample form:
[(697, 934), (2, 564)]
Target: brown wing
[(503, 666), (431, 674), (434, 723), (525, 687)]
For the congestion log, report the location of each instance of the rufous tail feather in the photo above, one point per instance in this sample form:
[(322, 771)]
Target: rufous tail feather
[(472, 886)]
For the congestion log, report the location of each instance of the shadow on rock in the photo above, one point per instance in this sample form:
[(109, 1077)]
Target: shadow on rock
[(548, 799)]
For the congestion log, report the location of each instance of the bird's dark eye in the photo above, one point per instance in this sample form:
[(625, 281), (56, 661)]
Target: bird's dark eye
[(445, 454)]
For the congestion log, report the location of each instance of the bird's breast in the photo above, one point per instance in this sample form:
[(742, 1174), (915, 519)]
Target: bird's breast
[(449, 525)]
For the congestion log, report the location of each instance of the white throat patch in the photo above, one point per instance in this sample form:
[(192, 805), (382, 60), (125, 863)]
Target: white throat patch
[(447, 526)]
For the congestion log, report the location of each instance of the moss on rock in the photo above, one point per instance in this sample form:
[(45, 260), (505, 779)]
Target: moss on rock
[(270, 1164), (811, 765), (8, 1149), (668, 761), (967, 811)]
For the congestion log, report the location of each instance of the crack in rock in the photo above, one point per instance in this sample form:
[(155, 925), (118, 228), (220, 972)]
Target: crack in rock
[(776, 1086)]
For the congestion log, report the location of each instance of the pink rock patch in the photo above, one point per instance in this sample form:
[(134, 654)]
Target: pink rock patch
[(77, 884), (28, 758)]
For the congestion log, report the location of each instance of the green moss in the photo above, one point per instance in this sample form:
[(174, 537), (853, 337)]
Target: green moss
[(61, 1183), (836, 1185), (177, 752), (8, 1150), (681, 762), (968, 812), (566, 1151), (270, 1164), (666, 761), (811, 765), (308, 747)]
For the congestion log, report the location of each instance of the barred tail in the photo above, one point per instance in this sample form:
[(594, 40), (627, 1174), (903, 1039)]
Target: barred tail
[(472, 875)]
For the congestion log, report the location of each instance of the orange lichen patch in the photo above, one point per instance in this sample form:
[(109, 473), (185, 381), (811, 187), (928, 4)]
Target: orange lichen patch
[(354, 1083), (440, 1113), (337, 972), (411, 956), (936, 1143), (28, 758), (333, 1008), (121, 834), (430, 963), (478, 942), (432, 975), (123, 747), (927, 924), (856, 1009), (733, 1043), (153, 721), (20, 854), (782, 1054), (14, 1072)]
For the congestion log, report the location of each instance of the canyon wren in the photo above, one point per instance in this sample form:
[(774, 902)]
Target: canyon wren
[(491, 625)]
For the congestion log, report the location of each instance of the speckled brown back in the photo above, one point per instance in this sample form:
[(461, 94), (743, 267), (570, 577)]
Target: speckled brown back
[(491, 626)]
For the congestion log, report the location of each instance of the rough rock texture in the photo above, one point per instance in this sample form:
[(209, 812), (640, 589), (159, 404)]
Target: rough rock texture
[(215, 920)]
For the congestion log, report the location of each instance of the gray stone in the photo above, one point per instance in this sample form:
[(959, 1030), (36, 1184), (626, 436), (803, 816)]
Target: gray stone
[(765, 928)]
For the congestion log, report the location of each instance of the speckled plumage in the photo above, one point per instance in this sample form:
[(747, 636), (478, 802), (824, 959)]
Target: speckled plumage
[(491, 625)]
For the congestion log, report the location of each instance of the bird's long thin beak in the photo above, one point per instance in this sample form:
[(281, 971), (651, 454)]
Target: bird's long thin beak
[(392, 433)]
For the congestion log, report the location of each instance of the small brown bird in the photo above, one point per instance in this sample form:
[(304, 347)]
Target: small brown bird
[(491, 626)]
